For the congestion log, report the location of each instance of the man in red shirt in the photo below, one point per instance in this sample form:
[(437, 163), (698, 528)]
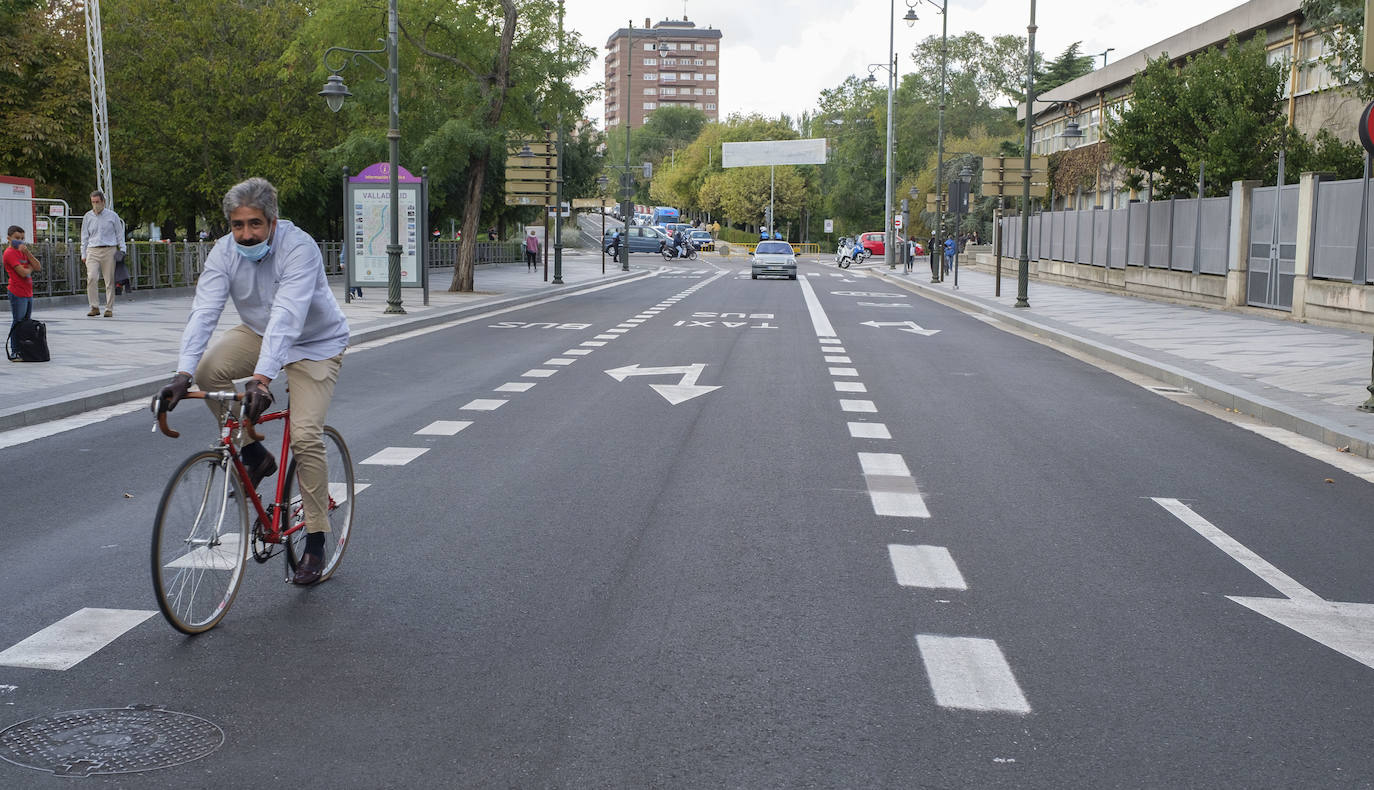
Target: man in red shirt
[(19, 268)]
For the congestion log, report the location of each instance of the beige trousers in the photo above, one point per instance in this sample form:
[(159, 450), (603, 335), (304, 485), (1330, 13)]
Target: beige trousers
[(311, 382), (100, 263)]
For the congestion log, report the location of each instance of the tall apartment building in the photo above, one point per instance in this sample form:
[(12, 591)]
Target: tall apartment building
[(671, 63)]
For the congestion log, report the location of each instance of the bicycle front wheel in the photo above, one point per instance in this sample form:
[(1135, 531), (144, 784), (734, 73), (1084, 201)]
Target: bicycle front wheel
[(340, 467), (200, 542)]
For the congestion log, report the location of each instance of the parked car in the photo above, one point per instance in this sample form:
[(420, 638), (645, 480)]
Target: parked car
[(702, 239), (875, 243), (775, 258), (641, 239)]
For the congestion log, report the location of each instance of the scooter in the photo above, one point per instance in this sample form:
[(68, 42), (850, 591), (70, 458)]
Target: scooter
[(688, 250), (842, 258)]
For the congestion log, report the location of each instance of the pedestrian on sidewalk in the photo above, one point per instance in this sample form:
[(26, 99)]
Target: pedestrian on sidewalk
[(531, 252), (19, 268), (951, 249), (292, 324), (102, 232)]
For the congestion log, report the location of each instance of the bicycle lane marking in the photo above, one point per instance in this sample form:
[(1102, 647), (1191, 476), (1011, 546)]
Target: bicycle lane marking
[(965, 673)]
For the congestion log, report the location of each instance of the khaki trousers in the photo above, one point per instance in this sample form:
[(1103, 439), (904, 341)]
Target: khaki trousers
[(311, 382), (100, 263)]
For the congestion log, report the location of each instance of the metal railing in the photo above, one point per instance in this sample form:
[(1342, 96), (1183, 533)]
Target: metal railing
[(153, 265)]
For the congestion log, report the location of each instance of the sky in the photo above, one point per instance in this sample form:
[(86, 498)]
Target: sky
[(776, 57)]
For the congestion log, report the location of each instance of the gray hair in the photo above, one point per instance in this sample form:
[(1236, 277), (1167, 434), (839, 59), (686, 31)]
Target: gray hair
[(255, 193), (98, 194)]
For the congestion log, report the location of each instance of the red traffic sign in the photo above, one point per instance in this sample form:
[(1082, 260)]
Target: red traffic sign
[(1366, 131)]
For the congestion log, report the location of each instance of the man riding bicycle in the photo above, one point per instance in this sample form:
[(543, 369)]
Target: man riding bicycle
[(291, 321)]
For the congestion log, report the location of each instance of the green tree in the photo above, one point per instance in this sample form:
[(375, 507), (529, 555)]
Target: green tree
[(1069, 66), (1221, 107)]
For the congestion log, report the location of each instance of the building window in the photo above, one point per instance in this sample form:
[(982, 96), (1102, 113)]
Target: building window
[(700, 77), (710, 91), (670, 45), (698, 91), (697, 105), (699, 62), (1312, 73), (651, 91), (710, 78), (668, 91), (651, 61), (1283, 54), (710, 47), (710, 62), (648, 105), (699, 47), (668, 76), (652, 77), (710, 105), (649, 46)]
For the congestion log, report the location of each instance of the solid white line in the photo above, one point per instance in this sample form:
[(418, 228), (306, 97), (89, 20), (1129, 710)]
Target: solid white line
[(484, 404), (844, 371), (930, 567), (819, 319), (869, 430), (515, 386), (850, 386), (538, 373), (395, 456), (1256, 564), (74, 638), (841, 360), (970, 674), (444, 427), (865, 406)]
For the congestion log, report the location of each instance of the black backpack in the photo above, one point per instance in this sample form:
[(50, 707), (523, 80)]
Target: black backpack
[(28, 341)]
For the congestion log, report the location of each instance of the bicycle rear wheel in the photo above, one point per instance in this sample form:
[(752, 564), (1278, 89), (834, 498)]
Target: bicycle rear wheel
[(341, 491), (200, 542)]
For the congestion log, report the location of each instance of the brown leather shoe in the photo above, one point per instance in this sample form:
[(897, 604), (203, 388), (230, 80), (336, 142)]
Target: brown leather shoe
[(94, 312), (308, 571), (109, 314)]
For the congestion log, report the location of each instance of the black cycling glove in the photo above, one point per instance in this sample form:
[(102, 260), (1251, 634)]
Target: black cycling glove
[(257, 399), (169, 396)]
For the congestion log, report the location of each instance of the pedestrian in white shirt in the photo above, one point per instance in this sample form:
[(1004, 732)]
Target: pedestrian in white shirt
[(291, 321), (102, 232)]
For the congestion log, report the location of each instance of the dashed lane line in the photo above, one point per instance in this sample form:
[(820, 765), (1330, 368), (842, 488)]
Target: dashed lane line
[(891, 488), (969, 673), (485, 404), (73, 639), (869, 430), (394, 456), (928, 567)]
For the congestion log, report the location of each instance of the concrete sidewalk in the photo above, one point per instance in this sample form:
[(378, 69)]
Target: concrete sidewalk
[(1304, 378), (104, 361)]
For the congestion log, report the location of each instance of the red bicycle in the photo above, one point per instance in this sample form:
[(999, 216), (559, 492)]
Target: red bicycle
[(202, 537)]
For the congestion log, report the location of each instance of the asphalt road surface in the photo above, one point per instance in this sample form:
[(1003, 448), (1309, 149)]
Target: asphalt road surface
[(696, 531)]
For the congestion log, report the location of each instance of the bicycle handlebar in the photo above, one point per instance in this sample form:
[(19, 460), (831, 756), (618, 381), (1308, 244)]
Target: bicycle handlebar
[(222, 397)]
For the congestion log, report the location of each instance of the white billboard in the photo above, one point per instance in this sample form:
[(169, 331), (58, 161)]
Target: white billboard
[(773, 152)]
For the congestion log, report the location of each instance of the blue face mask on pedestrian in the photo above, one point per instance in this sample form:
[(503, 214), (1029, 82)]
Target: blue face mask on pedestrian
[(16, 243), (255, 252)]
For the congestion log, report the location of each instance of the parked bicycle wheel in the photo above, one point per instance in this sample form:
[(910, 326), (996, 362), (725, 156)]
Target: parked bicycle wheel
[(340, 465), (200, 542)]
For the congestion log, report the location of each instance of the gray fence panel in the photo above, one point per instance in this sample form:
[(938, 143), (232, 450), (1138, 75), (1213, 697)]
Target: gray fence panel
[(1160, 216), (1036, 234), (1138, 229), (1102, 223), (1184, 234), (1288, 243), (1083, 251), (1117, 255), (1262, 219), (1216, 234), (1335, 234), (1057, 223)]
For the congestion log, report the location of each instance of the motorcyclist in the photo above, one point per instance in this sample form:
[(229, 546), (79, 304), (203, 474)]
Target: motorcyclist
[(679, 243)]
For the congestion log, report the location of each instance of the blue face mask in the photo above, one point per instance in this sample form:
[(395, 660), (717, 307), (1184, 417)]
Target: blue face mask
[(255, 252), (16, 243)]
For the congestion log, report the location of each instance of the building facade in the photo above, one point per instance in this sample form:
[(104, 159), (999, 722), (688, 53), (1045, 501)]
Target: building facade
[(1312, 100), (671, 63)]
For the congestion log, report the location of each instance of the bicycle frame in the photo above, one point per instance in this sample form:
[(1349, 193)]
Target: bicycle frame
[(270, 517)]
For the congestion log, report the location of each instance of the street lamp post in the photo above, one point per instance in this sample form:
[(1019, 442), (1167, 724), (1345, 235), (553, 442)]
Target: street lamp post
[(1023, 263), (627, 180), (334, 93), (558, 188), (936, 274)]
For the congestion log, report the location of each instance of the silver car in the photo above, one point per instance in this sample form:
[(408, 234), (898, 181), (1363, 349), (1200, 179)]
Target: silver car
[(776, 258)]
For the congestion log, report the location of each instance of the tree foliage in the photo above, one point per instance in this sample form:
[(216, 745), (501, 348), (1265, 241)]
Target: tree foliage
[(1069, 66), (1341, 23), (1221, 107)]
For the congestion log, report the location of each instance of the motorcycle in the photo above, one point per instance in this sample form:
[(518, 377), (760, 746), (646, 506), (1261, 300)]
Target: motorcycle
[(688, 250), (842, 252)]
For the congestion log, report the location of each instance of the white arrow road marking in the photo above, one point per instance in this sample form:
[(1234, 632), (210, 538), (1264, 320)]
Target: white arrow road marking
[(1347, 628), (684, 390), (904, 326)]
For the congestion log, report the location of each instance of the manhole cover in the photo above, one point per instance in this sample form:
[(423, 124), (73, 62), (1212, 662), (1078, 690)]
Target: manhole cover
[(109, 741)]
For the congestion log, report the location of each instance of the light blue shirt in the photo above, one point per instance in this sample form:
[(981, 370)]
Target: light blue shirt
[(105, 229), (284, 298)]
